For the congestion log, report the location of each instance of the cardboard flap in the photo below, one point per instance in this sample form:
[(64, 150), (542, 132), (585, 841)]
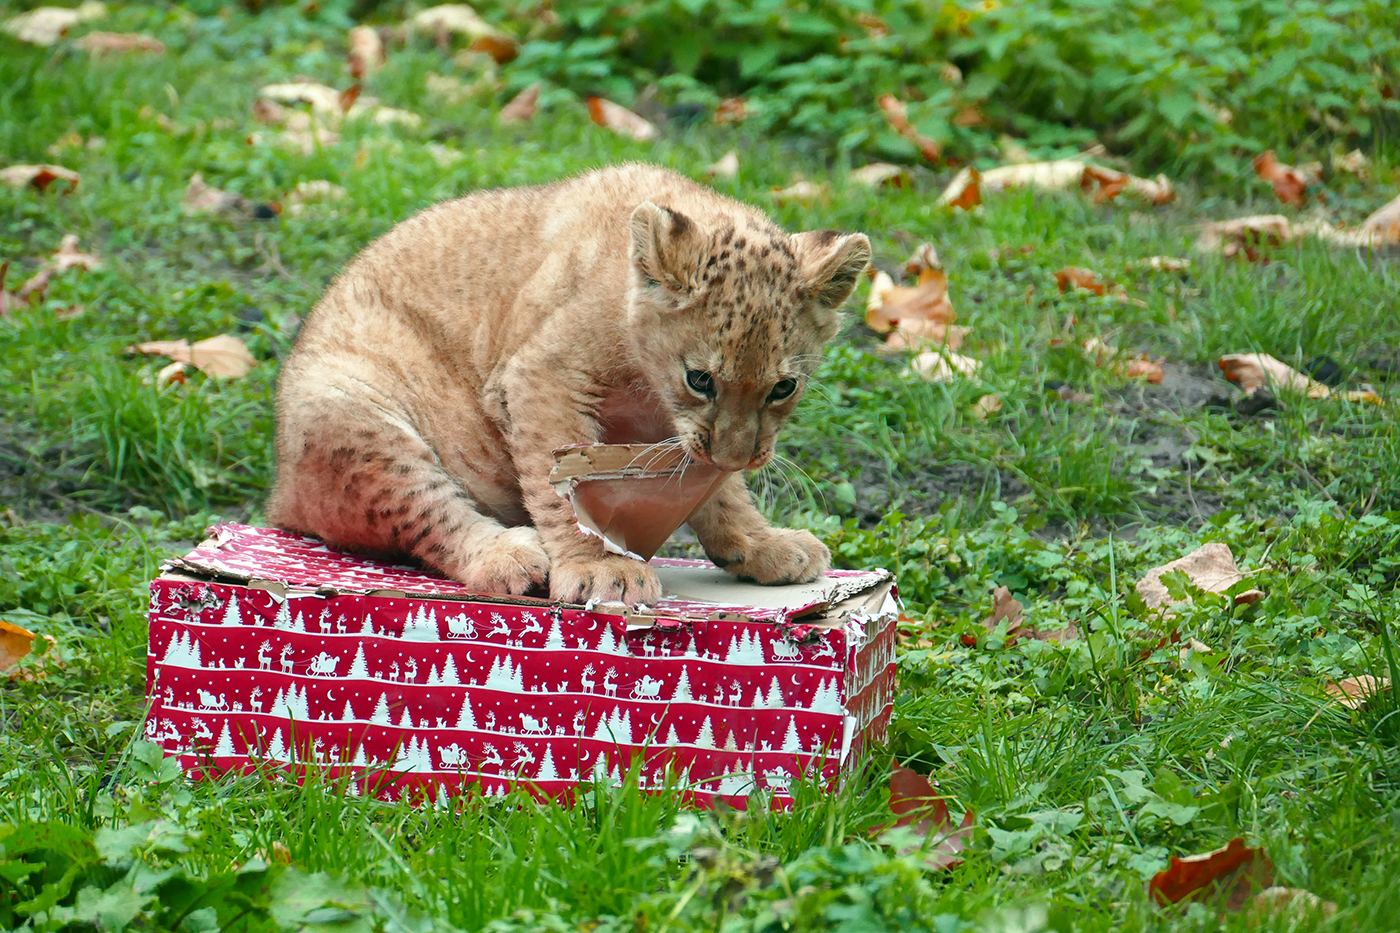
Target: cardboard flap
[(289, 564)]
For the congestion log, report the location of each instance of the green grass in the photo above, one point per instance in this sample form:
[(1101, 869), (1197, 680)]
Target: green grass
[(1087, 764)]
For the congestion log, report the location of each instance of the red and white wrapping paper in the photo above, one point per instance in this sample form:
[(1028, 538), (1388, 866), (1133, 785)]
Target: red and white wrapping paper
[(272, 649)]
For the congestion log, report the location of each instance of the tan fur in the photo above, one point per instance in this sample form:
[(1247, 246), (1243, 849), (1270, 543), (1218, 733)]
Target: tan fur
[(419, 410)]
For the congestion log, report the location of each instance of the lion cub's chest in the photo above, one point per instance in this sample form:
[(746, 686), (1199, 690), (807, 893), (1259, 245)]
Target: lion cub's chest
[(633, 416)]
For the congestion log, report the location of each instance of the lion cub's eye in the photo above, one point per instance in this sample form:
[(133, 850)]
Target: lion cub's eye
[(700, 382), (782, 390)]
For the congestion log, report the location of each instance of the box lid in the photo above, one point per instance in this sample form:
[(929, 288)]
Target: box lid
[(282, 561)]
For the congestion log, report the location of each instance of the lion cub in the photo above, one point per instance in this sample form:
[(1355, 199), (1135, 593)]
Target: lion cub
[(420, 408)]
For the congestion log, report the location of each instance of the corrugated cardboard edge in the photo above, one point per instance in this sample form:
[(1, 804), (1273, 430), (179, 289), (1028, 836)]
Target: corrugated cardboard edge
[(839, 606)]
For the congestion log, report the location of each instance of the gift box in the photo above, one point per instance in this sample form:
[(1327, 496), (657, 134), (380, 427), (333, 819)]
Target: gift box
[(273, 650)]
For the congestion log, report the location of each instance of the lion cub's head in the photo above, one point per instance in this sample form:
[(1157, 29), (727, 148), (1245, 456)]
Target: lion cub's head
[(729, 322)]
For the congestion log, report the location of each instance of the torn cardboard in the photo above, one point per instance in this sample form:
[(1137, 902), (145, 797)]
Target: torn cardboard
[(633, 496), (269, 649)]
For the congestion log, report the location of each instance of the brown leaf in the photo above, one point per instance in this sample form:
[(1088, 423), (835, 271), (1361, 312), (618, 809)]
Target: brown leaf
[(1244, 235), (917, 805), (1250, 371), (33, 290), (366, 51), (39, 176), (501, 47), (1289, 184), (522, 106), (620, 120), (898, 116), (727, 167), (1289, 904), (224, 356), (893, 305), (174, 374), (1355, 692), (70, 257), (15, 643), (919, 334), (70, 312), (801, 190), (1143, 368), (117, 43), (1383, 226), (1234, 868), (924, 258), (944, 365), (986, 406), (45, 25), (200, 198), (1103, 184), (731, 111), (964, 192), (1161, 264), (1210, 567), (1353, 163), (324, 101), (1078, 278), (880, 175)]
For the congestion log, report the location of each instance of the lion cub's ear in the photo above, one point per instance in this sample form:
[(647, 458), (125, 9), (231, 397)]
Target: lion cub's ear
[(831, 265), (665, 249)]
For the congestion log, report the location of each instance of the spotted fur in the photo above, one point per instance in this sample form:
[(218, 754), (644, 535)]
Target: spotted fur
[(419, 410)]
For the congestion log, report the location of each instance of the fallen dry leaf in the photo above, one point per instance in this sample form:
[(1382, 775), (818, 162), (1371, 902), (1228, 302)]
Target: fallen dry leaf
[(1355, 692), (1143, 368), (620, 120), (1244, 235), (918, 334), (1161, 264), (45, 25), (918, 806), (200, 198), (801, 190), (173, 374), (1290, 904), (321, 98), (15, 643), (76, 310), (890, 306), (880, 175), (1211, 567), (944, 365), (1063, 174), (731, 111), (726, 167), (964, 192), (33, 289), (224, 356), (450, 19), (522, 106), (986, 406), (1383, 226), (923, 258), (1074, 277), (1290, 185), (69, 256), (315, 191), (117, 43), (1252, 371), (898, 116), (7, 300), (1112, 359), (1362, 397), (38, 176), (366, 51), (1353, 163), (1005, 608), (1234, 868)]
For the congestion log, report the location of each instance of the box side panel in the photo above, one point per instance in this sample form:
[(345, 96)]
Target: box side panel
[(405, 693), (871, 681)]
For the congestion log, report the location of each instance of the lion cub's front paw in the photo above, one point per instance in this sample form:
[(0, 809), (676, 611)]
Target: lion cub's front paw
[(781, 555), (610, 579), (511, 562)]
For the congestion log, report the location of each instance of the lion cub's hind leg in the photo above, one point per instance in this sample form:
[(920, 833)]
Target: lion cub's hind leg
[(359, 481)]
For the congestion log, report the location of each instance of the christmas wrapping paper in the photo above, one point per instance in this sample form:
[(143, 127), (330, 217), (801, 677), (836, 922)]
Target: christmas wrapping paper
[(272, 650)]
